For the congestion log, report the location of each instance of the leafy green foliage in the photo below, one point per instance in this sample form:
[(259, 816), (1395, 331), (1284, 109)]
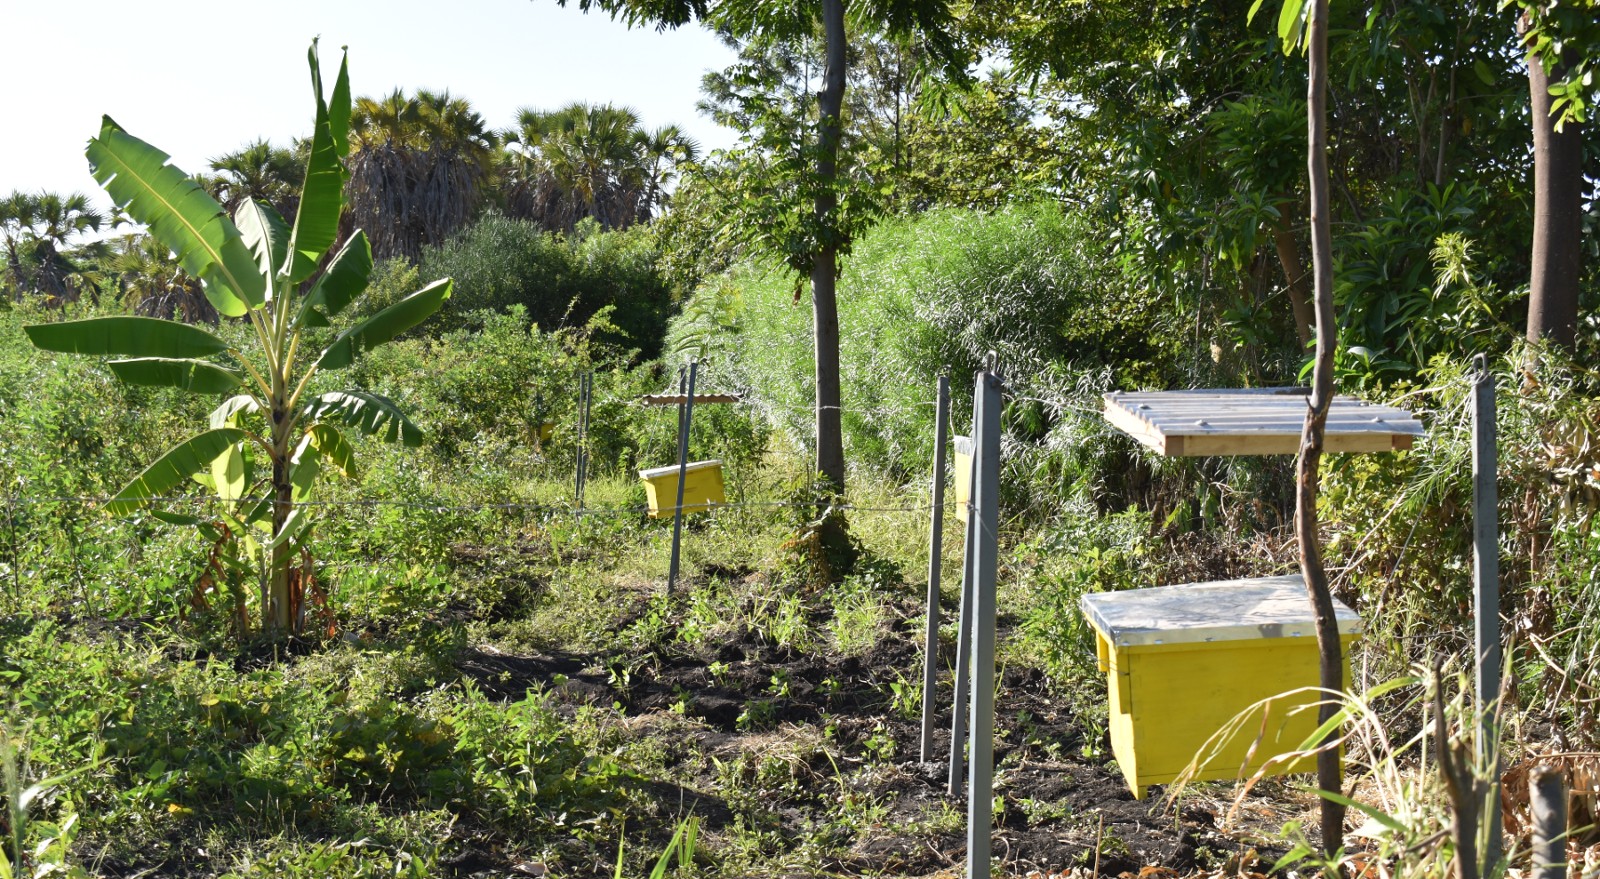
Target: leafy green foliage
[(560, 281), (250, 268), (930, 295), (180, 213), (1185, 125), (132, 336), (1409, 288), (1565, 36)]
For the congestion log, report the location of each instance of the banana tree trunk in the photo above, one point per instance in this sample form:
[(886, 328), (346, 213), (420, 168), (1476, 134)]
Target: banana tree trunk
[(1330, 774), (278, 611)]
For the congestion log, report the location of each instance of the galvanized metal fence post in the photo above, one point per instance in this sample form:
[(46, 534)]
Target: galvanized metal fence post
[(930, 642), (1486, 599), (683, 472), (16, 552), (1547, 797), (985, 566), (581, 478)]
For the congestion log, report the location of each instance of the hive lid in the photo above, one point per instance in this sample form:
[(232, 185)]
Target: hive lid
[(1254, 421), (672, 469), (1228, 610)]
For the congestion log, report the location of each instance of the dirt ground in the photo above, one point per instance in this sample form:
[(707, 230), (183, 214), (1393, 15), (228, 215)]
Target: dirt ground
[(1063, 808)]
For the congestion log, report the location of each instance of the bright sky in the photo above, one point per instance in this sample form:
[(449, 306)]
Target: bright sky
[(198, 78)]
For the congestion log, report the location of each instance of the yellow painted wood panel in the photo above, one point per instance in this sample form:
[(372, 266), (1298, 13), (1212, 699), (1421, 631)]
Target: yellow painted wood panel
[(702, 490), (1168, 700), (1120, 723), (963, 486)]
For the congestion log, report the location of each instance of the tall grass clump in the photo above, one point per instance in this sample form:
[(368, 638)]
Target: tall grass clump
[(1400, 529), (934, 293)]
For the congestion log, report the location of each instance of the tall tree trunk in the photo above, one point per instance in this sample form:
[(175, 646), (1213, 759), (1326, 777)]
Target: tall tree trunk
[(1294, 277), (825, 265), (1329, 771), (1558, 186), (14, 265)]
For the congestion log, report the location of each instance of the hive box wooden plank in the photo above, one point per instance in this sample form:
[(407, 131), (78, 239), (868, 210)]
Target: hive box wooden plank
[(963, 475), (1182, 662), (702, 488), (1254, 421)]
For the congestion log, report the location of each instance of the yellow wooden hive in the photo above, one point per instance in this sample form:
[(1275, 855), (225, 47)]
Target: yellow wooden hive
[(1183, 661), (702, 487), (963, 475)]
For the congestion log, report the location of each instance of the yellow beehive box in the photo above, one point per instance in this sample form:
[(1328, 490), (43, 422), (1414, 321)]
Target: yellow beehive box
[(963, 475), (1183, 661), (702, 487)]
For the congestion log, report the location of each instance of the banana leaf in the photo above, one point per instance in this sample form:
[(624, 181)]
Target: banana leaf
[(316, 222), (345, 279), (180, 215), (339, 109), (385, 325), (335, 448), (372, 414), (229, 475), (194, 376), (293, 526), (266, 234), (173, 469), (227, 414), (125, 336), (304, 467)]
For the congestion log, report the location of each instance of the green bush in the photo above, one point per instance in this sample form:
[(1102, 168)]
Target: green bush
[(561, 281), (931, 294), (73, 432)]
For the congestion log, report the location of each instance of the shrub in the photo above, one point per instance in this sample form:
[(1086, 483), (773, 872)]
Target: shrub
[(560, 280), (932, 294)]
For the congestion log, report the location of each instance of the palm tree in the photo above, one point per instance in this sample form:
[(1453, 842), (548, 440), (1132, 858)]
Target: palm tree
[(17, 212), (154, 284), (57, 220), (38, 229), (270, 175), (665, 151), (419, 169), (589, 161)]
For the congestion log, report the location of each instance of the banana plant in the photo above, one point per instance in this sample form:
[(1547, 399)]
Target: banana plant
[(268, 442)]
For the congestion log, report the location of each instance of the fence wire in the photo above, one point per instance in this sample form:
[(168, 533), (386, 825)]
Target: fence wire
[(89, 501)]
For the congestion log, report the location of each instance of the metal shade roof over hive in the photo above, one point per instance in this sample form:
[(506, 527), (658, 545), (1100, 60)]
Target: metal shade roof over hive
[(1226, 610), (1254, 421)]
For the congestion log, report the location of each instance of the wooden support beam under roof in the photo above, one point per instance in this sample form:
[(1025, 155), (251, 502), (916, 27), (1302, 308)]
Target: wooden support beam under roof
[(1253, 421)]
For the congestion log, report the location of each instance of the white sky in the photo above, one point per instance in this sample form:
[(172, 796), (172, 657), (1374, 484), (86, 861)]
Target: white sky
[(198, 78)]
